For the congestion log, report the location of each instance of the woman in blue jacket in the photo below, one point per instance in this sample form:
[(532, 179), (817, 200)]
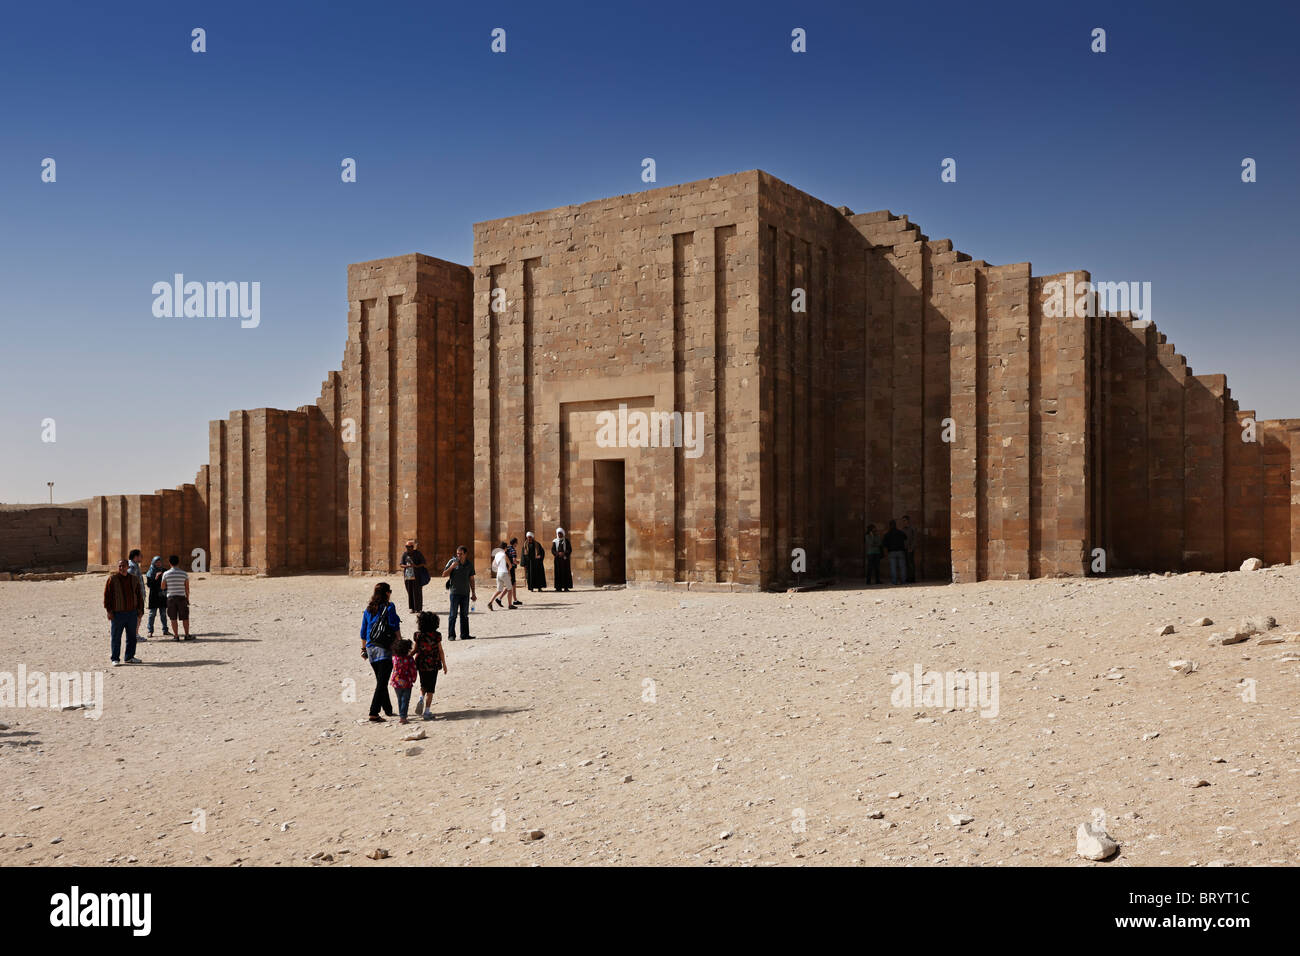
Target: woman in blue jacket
[(381, 661)]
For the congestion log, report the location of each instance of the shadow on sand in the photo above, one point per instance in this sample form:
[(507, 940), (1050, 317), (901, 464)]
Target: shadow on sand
[(178, 663), (478, 714)]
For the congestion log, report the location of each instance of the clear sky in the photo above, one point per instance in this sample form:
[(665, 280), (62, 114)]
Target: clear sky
[(225, 166)]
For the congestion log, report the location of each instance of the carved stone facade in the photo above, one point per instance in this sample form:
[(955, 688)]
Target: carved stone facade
[(800, 371)]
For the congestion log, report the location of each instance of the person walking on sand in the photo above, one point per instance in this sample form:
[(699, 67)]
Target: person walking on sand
[(512, 552), (415, 575), (894, 543), (875, 551), (563, 551), (534, 563), (157, 598), (124, 607), (501, 568), (429, 657), (381, 628), (460, 582), (404, 674), (176, 584)]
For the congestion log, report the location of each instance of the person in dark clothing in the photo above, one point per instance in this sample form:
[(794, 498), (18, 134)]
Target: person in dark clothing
[(157, 599), (512, 555), (415, 575), (534, 563), (381, 661), (124, 604), (875, 550), (909, 549), (563, 551), (460, 574), (895, 544)]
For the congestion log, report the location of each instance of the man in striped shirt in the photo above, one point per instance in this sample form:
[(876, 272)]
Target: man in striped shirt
[(177, 585)]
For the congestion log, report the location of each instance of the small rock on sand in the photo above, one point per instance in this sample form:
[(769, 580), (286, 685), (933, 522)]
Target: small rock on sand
[(1167, 629), (1257, 624), (1229, 637), (1194, 782), (960, 819), (530, 835), (1092, 842), (1252, 564)]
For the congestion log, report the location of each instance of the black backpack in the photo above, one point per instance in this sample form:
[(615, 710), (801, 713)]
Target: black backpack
[(381, 634)]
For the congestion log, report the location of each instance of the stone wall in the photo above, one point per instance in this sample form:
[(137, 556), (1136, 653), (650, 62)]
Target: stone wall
[(846, 369), (169, 521), (648, 301), (39, 538)]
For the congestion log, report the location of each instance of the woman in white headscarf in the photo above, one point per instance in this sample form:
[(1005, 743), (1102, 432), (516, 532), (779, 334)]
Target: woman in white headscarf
[(562, 550), (534, 564)]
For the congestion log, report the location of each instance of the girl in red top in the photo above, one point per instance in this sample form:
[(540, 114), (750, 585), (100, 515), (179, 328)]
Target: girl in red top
[(403, 676), (429, 658)]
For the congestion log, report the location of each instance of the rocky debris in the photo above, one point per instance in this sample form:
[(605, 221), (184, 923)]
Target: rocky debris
[(1201, 622), (529, 835), (584, 763), (1151, 736), (1257, 624), (1183, 667), (893, 794), (627, 778), (725, 835), (412, 751), (1092, 842), (875, 814), (416, 735), (1194, 782), (1272, 639), (1167, 629), (377, 854), (1252, 564), (960, 819), (1230, 637)]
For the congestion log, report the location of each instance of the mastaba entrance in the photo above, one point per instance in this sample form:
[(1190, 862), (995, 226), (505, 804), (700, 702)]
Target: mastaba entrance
[(719, 385)]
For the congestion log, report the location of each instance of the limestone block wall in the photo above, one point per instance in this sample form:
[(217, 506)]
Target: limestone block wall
[(913, 380), (169, 521), (407, 392), (35, 538), (648, 301)]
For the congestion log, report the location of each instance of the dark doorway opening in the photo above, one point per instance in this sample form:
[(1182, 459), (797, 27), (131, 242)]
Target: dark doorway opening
[(609, 525)]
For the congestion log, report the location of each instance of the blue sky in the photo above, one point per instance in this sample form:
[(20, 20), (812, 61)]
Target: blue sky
[(225, 166)]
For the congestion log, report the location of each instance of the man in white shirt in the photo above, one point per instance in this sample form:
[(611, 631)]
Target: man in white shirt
[(501, 568)]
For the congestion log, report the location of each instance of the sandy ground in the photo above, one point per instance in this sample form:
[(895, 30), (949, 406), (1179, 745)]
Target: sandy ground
[(639, 727)]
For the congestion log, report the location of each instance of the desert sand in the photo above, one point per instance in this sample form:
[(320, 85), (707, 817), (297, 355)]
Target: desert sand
[(668, 727)]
